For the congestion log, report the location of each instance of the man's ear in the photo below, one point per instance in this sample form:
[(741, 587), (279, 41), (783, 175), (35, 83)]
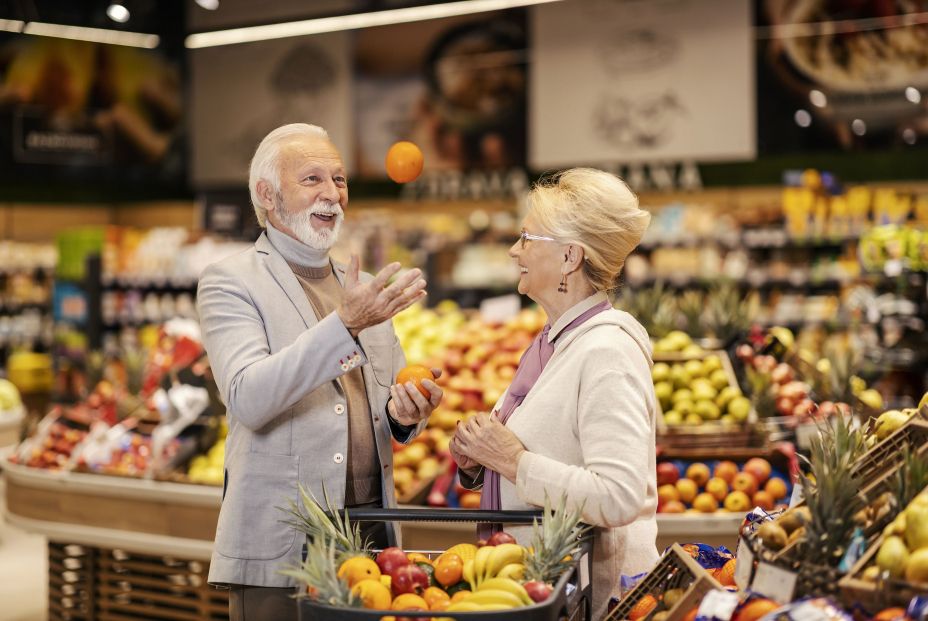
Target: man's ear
[(266, 194)]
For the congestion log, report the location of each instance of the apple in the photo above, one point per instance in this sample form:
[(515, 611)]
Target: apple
[(785, 406), (408, 578), (737, 502), (667, 473), (500, 538), (744, 482), (782, 373), (391, 558), (826, 409), (538, 591), (804, 408), (745, 353), (673, 506), (725, 470)]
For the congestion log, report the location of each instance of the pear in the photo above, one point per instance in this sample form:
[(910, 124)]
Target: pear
[(916, 526), (672, 596), (916, 570), (773, 535), (794, 518), (888, 422), (893, 556)]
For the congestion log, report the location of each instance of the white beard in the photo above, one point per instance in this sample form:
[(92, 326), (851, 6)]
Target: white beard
[(301, 224)]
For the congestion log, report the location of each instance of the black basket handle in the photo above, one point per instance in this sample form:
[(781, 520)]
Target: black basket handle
[(365, 514)]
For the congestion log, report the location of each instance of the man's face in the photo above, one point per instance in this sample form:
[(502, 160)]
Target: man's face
[(313, 192)]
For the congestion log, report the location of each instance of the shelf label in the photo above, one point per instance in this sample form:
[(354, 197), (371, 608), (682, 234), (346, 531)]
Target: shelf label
[(773, 582), (745, 565), (718, 605), (500, 309)]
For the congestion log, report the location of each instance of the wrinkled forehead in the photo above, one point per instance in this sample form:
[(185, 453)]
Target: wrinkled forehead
[(310, 151)]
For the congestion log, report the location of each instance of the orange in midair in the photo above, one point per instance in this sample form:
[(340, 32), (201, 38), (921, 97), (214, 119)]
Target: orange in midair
[(404, 162), (415, 373)]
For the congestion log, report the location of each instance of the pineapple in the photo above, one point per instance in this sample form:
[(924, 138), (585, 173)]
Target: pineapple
[(555, 542), (762, 394), (729, 312), (692, 305), (831, 493), (317, 525), (653, 307), (320, 574)]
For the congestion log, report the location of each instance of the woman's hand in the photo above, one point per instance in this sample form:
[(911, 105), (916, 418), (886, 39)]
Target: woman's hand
[(464, 462), (486, 441)]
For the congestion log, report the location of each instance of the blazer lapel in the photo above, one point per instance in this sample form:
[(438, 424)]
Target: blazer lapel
[(285, 277)]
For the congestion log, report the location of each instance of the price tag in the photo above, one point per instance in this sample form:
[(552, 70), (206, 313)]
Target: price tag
[(804, 434), (893, 267), (745, 565), (500, 309), (775, 583), (718, 605)]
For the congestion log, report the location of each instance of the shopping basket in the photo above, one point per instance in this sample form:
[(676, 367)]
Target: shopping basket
[(570, 600)]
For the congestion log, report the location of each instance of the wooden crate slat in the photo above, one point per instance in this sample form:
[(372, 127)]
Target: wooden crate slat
[(185, 601), (141, 611), (106, 577), (143, 567)]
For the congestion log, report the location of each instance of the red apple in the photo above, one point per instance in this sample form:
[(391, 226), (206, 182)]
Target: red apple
[(538, 591), (408, 578), (500, 538), (745, 353), (390, 559), (782, 373), (804, 408), (826, 409), (672, 506), (785, 406), (667, 473), (765, 364)]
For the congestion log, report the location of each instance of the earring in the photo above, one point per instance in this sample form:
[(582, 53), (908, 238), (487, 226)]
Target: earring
[(563, 286)]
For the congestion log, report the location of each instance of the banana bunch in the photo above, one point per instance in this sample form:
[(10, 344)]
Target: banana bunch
[(503, 561), (494, 594)]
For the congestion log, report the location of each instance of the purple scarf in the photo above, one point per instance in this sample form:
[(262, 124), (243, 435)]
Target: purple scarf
[(531, 365)]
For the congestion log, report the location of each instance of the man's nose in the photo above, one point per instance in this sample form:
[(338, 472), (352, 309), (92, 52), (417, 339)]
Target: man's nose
[(330, 191)]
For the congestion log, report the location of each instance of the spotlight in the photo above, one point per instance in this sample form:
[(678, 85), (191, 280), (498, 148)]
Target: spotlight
[(908, 135), (209, 5), (117, 13), (858, 127), (912, 94), (802, 118), (818, 98)]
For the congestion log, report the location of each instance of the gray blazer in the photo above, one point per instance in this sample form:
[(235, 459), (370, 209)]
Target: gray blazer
[(276, 364)]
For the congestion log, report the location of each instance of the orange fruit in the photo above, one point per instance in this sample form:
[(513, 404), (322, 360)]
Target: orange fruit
[(415, 373), (358, 568), (373, 594), (458, 596), (409, 601), (776, 487), (891, 614), (726, 575), (449, 570), (691, 615), (470, 500), (642, 608), (436, 598), (404, 162), (755, 609)]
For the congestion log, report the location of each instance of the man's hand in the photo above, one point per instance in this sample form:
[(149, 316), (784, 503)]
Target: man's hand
[(368, 304), (408, 406)]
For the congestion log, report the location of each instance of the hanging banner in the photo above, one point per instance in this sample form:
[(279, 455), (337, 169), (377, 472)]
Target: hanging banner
[(641, 81), (242, 92)]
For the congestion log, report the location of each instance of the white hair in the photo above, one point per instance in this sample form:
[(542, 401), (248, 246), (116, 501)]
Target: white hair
[(266, 162)]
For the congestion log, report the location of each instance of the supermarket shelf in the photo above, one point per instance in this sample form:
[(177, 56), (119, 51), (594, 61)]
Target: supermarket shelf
[(692, 525), (113, 487), (130, 541)]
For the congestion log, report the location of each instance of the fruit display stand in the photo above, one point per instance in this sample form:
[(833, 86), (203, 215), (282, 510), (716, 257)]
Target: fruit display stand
[(120, 546)]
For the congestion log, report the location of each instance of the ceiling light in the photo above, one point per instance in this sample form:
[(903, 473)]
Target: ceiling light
[(802, 118), (117, 13), (11, 25), (97, 35), (908, 135), (818, 98), (912, 94), (209, 5), (858, 127), (351, 22)]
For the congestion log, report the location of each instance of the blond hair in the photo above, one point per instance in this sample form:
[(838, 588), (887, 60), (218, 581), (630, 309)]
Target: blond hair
[(266, 162), (596, 211)]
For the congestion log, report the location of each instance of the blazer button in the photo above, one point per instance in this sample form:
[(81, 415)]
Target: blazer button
[(345, 366), (339, 458), (339, 409), (357, 357)]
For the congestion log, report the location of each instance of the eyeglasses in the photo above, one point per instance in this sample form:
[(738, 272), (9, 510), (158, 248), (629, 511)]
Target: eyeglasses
[(523, 236)]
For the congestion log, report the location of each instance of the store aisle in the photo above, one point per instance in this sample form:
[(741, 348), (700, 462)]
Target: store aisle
[(23, 572)]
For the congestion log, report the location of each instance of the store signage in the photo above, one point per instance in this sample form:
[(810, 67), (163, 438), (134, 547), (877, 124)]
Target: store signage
[(39, 141), (774, 582), (718, 605), (660, 176), (477, 185)]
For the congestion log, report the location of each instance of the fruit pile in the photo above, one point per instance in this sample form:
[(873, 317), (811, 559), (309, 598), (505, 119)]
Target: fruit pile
[(10, 399), (903, 555), (208, 468), (720, 486), (52, 447), (424, 333), (699, 390)]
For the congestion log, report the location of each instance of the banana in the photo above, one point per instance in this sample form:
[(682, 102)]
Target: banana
[(480, 562), (513, 571), (464, 606), (503, 555), (494, 596), (468, 573), (508, 585)]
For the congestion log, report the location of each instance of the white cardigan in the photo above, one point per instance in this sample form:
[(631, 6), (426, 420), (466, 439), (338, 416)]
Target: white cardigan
[(588, 428)]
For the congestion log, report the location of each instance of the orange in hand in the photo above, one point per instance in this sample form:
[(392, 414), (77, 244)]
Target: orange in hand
[(416, 373), (404, 162)]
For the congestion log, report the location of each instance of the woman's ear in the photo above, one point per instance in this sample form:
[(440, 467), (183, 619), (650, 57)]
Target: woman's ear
[(573, 259)]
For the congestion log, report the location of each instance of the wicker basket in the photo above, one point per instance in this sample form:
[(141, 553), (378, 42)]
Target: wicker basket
[(675, 570)]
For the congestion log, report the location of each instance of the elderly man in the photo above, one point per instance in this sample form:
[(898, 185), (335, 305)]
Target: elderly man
[(305, 357)]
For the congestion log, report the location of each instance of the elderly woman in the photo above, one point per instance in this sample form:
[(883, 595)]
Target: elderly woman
[(578, 419)]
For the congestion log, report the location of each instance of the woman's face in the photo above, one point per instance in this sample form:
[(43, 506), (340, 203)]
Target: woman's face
[(539, 262)]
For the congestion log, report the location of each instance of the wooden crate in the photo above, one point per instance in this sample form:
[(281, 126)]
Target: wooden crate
[(104, 584), (887, 455), (675, 570), (874, 596)]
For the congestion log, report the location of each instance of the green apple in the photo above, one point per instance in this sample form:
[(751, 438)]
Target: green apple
[(693, 419), (707, 410), (725, 396), (719, 379), (681, 379), (693, 368), (684, 407), (660, 372), (673, 418), (684, 394), (712, 363), (739, 408), (664, 391)]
